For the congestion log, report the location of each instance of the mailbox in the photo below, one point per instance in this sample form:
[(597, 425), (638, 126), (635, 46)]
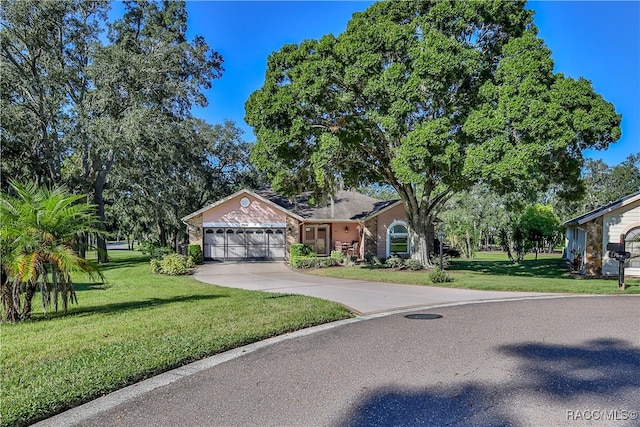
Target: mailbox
[(620, 256), (615, 247)]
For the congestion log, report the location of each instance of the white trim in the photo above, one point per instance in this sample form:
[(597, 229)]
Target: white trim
[(389, 228), (625, 201), (244, 224)]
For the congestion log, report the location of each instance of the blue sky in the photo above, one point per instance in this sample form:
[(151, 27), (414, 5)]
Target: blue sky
[(599, 41)]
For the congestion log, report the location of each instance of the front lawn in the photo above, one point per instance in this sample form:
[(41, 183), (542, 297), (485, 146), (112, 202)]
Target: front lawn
[(133, 326), (493, 271)]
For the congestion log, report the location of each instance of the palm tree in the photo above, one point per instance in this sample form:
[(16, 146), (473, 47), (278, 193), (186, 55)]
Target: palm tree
[(39, 227)]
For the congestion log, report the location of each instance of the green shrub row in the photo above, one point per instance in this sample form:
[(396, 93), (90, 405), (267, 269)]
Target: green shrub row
[(313, 262)]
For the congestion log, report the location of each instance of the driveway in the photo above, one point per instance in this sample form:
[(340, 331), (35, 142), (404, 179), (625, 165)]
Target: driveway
[(360, 296)]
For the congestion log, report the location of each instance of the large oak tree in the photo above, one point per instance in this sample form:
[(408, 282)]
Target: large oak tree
[(428, 97)]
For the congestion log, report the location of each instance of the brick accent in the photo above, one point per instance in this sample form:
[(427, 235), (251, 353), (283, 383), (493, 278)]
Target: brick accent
[(292, 233), (194, 228), (593, 261), (371, 238)]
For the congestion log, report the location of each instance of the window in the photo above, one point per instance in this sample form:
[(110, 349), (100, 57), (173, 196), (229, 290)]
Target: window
[(398, 239), (632, 245)]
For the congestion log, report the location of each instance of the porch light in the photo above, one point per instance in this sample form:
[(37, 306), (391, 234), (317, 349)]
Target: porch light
[(346, 229)]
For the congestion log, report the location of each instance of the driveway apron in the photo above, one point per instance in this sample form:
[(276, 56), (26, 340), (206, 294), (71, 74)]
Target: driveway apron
[(360, 296)]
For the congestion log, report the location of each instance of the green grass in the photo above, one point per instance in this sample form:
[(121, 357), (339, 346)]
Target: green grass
[(493, 271), (133, 326)]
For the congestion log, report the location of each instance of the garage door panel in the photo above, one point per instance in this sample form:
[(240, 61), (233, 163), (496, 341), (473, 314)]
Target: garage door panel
[(257, 251), (276, 252), (235, 252), (244, 243)]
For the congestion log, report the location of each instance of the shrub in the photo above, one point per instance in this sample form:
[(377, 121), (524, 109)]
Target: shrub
[(299, 249), (326, 262), (303, 262), (337, 255), (377, 261), (313, 262), (155, 266), (439, 276), (395, 262), (195, 252), (413, 265), (172, 265), (350, 260)]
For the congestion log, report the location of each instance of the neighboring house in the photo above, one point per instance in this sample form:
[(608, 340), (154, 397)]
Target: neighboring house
[(263, 225), (587, 237)]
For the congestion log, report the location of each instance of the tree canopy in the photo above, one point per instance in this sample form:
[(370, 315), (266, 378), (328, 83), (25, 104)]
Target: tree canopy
[(104, 107), (428, 97)]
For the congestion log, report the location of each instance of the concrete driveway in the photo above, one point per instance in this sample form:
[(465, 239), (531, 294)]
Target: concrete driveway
[(360, 296)]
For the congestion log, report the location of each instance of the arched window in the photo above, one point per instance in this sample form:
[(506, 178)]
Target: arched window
[(632, 245), (398, 239)]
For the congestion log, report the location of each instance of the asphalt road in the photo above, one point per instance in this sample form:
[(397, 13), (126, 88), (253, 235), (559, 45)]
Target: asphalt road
[(544, 362)]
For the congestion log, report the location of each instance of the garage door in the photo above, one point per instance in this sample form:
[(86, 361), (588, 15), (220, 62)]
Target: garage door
[(244, 243)]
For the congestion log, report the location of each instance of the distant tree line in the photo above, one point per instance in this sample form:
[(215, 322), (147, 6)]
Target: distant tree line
[(103, 107), (479, 219)]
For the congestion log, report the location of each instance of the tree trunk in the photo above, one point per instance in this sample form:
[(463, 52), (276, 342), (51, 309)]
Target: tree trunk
[(98, 200), (421, 242), (8, 301), (162, 234), (28, 299)]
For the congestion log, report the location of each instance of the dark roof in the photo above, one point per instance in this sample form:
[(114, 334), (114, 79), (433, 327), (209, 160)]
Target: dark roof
[(604, 209), (346, 205)]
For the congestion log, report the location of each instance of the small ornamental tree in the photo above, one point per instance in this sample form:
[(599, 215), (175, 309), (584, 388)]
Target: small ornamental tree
[(540, 226), (39, 228), (428, 97)]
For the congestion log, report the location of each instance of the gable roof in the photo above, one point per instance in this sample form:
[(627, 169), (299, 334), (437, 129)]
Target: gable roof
[(347, 205), (236, 194), (627, 200)]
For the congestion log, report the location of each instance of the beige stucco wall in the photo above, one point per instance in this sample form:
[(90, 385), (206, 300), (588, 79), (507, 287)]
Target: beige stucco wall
[(232, 212), (385, 219), (614, 224)]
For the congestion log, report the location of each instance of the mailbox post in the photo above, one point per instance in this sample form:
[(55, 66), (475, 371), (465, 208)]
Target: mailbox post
[(617, 252)]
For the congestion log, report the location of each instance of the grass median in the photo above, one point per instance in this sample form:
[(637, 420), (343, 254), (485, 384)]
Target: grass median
[(494, 272), (133, 326)]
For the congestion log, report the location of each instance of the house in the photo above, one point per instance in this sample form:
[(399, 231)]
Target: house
[(587, 237), (263, 224)]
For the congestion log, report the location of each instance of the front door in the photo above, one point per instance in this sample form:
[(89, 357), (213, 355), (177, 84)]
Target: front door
[(316, 237)]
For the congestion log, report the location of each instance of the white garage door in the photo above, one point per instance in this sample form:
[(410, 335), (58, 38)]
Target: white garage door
[(244, 243)]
